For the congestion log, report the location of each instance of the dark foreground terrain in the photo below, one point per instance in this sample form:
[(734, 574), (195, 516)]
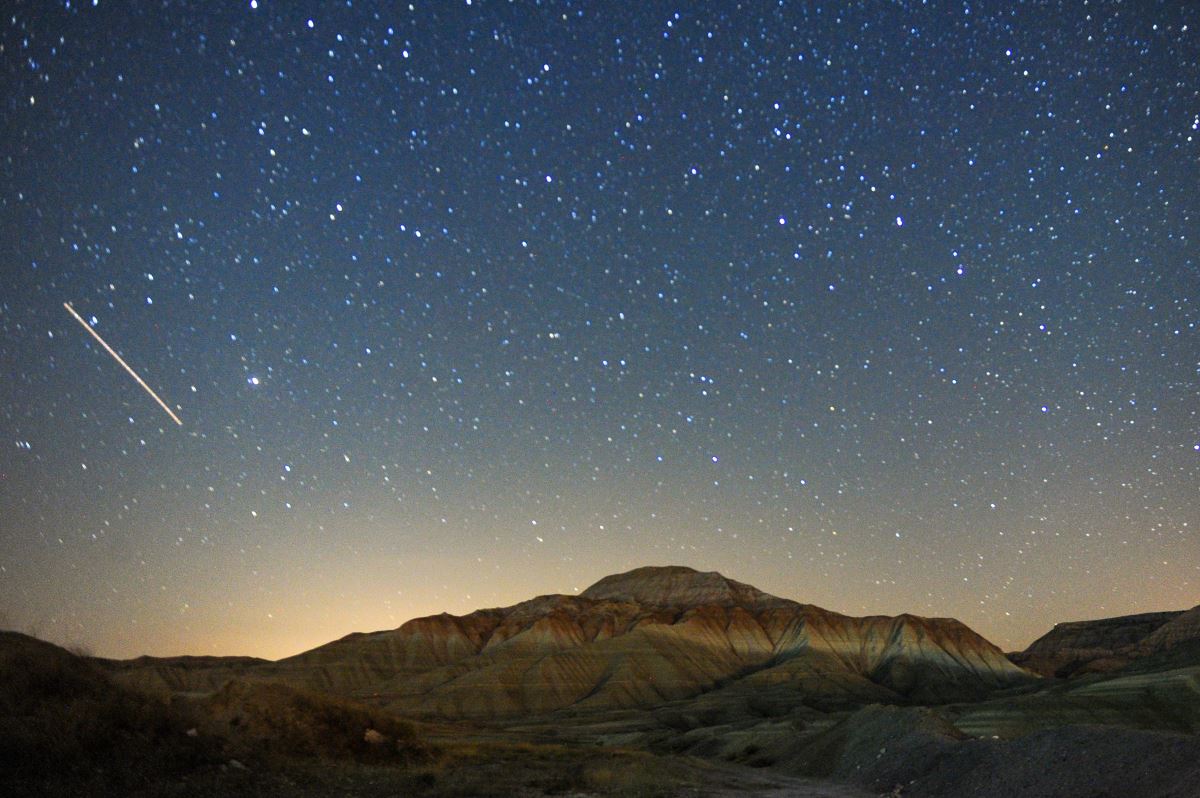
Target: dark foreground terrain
[(67, 729)]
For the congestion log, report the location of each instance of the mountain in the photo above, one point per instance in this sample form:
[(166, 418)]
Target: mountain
[(1108, 644), (636, 639)]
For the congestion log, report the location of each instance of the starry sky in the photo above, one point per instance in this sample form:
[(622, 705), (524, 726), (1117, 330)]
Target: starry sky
[(884, 307)]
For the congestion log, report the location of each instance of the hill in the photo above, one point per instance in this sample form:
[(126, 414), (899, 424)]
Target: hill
[(631, 640), (1106, 645)]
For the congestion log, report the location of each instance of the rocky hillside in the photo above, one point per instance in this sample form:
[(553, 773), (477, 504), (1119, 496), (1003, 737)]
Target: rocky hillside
[(1108, 644), (631, 640), (1183, 628)]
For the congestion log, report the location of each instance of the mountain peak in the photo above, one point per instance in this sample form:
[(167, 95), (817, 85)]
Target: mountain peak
[(678, 586)]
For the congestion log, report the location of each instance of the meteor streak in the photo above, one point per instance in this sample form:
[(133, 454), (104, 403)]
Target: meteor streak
[(117, 357)]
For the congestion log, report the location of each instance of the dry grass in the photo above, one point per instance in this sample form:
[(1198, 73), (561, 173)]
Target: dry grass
[(629, 774), (494, 768), (269, 718), (67, 729), (63, 721)]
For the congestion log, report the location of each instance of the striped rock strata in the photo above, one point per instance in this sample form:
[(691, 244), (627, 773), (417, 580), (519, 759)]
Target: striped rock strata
[(1108, 644), (631, 640)]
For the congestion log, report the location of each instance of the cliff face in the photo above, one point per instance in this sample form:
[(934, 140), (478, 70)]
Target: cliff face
[(636, 640), (1183, 628), (1107, 644)]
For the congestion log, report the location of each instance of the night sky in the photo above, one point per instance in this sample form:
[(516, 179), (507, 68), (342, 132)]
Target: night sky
[(882, 307)]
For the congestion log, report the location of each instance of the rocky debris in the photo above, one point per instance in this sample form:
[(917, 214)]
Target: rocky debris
[(918, 753), (1067, 762)]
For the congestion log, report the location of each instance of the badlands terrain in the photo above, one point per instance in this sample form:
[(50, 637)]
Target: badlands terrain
[(659, 681)]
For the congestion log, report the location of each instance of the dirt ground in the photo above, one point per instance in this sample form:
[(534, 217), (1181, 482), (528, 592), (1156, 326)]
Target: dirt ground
[(740, 782)]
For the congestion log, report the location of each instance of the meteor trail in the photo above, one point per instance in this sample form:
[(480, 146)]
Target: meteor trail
[(132, 373)]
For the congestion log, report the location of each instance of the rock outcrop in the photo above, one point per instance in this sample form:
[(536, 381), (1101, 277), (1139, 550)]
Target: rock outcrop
[(1107, 644), (636, 639), (1183, 628)]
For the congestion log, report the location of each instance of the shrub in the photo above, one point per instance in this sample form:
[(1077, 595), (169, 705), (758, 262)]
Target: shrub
[(290, 722)]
